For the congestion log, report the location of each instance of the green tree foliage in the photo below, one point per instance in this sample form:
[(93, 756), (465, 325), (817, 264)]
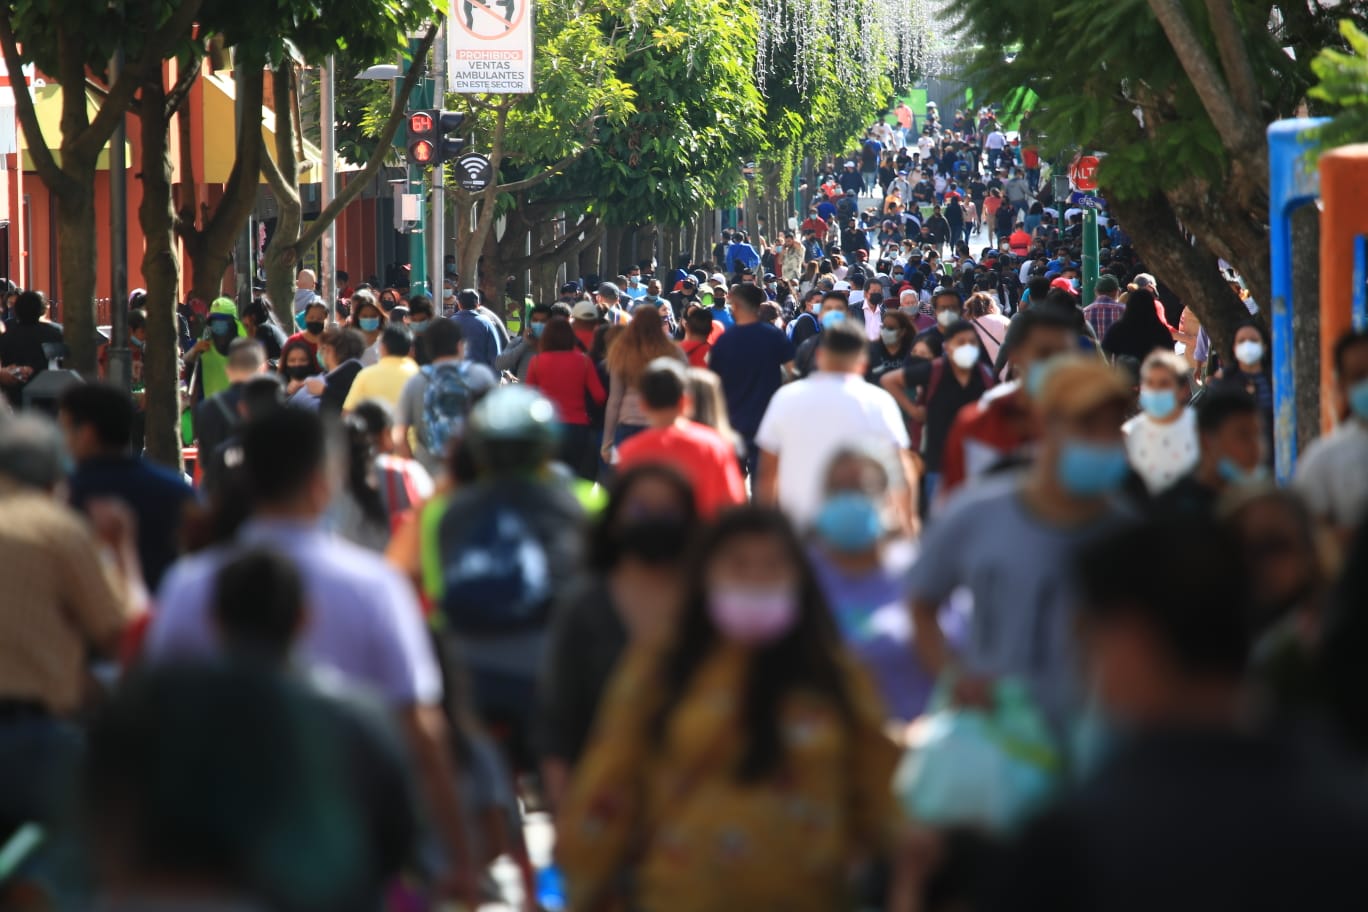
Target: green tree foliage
[(1176, 93), (1343, 87)]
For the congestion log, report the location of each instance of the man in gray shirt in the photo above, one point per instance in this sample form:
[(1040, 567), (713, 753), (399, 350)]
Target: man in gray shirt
[(413, 427), (1010, 541)]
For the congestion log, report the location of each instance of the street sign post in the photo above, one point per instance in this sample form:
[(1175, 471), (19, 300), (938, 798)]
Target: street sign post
[(1089, 256), (1083, 173), (490, 49), (474, 173)]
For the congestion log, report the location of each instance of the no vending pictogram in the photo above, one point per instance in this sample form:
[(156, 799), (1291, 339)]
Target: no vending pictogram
[(488, 21)]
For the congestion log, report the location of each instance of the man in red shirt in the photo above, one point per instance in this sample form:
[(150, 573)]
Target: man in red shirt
[(696, 451)]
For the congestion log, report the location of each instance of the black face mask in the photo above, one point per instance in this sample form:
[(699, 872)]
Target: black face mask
[(299, 372), (315, 327), (653, 541)]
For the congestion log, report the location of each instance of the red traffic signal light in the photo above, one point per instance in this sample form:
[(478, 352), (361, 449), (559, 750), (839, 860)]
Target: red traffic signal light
[(420, 122), (421, 152), (428, 142)]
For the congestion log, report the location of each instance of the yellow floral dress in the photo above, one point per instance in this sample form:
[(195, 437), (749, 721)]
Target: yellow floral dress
[(694, 836)]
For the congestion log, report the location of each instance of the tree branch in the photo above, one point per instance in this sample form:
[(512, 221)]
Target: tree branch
[(239, 194), (119, 94), (585, 233), (185, 81), (377, 161), (1230, 45), (275, 178), (39, 151), (1237, 131)]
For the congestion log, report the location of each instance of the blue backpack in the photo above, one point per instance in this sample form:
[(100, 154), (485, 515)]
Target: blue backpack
[(495, 574), (446, 402)]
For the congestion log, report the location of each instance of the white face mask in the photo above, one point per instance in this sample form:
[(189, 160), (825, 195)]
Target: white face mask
[(966, 356), (946, 317), (1249, 352)]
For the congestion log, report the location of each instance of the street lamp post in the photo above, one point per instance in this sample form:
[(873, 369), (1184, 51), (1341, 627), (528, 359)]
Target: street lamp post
[(329, 140)]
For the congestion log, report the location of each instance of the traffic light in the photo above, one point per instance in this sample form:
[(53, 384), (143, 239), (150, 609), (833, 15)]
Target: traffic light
[(428, 143), (449, 147), (422, 137)]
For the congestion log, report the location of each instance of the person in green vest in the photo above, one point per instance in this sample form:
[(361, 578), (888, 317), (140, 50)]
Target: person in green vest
[(210, 354)]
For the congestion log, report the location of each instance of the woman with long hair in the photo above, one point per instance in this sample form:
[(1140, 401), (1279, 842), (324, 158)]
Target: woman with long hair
[(743, 763), (1139, 331), (1250, 371), (809, 278), (710, 408), (641, 342), (636, 551)]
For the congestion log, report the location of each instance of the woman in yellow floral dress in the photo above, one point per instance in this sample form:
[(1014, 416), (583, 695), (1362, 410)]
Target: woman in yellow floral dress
[(742, 766)]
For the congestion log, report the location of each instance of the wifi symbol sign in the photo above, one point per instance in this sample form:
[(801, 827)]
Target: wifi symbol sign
[(474, 172)]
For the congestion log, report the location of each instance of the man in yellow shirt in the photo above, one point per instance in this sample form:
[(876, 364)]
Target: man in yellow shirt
[(385, 379)]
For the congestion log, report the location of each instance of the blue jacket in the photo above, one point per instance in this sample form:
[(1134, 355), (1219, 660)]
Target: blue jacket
[(741, 256), (481, 340)]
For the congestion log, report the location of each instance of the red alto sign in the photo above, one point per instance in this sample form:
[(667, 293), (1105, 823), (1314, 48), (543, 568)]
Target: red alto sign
[(1083, 173)]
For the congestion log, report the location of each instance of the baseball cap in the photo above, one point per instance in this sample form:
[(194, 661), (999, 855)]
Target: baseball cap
[(689, 281), (719, 280), (1075, 385), (842, 285), (608, 290), (1144, 280), (585, 310), (1063, 285), (850, 164), (1107, 284), (570, 288)]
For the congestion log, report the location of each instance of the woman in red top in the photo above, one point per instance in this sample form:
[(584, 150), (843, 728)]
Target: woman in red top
[(566, 376), (315, 321)]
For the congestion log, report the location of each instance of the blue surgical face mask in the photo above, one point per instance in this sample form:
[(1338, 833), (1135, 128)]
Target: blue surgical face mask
[(1035, 379), (299, 319), (1358, 399), (417, 325), (1158, 404), (538, 329), (369, 324), (850, 522), (320, 359), (136, 342), (1090, 469), (832, 317), (220, 327), (1232, 474)]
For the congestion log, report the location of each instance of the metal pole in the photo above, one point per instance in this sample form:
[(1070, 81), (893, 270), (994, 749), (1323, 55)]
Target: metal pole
[(120, 365), (1089, 256), (328, 279), (437, 227)]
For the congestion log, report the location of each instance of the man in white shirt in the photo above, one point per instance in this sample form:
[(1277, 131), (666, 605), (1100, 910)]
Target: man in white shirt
[(1333, 473), (808, 421), (994, 143)]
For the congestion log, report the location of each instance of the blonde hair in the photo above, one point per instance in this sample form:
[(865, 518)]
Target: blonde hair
[(641, 342), (709, 405), (1173, 363)]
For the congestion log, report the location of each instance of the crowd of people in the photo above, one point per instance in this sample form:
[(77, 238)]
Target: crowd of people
[(858, 569)]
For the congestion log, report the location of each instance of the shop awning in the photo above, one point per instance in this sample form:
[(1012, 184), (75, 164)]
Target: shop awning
[(219, 147), (47, 104)]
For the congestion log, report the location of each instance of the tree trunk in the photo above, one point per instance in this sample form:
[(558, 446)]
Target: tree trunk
[(283, 175), (589, 260), (646, 243), (77, 257), (210, 249), (612, 242), (1152, 225), (161, 271), (1306, 366)]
